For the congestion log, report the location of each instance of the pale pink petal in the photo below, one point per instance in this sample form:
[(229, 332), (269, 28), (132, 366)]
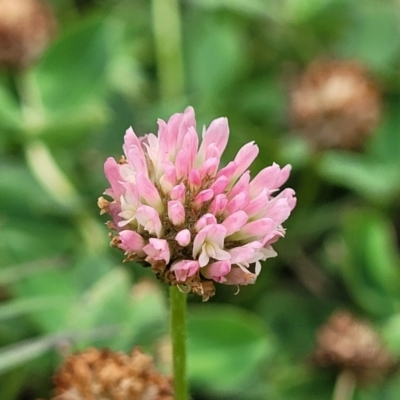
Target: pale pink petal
[(186, 155), (235, 222), (219, 254), (148, 192), (184, 269), (164, 143), (257, 206), (213, 152), (280, 207), (241, 186), (115, 210), (194, 179), (240, 276), (218, 204), (168, 178), (239, 202), (271, 178), (127, 213), (202, 197), (217, 134), (131, 242), (157, 250), (268, 252), (199, 240), (183, 237), (243, 253), (171, 134), (204, 256), (182, 164), (136, 159), (217, 270), (219, 185), (244, 158), (273, 236), (257, 228), (278, 211), (283, 176), (289, 195), (150, 220), (129, 204), (251, 253), (131, 140), (178, 192), (209, 242), (176, 212), (228, 171), (209, 168), (152, 149), (179, 124), (206, 219), (111, 171), (128, 174)]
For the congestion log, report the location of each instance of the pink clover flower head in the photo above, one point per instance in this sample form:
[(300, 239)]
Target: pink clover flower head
[(172, 206)]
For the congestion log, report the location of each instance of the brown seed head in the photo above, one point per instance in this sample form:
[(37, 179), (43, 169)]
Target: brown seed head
[(335, 105), (350, 344), (105, 375), (26, 28)]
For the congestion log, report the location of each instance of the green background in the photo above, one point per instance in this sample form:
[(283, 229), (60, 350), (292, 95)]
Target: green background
[(62, 288)]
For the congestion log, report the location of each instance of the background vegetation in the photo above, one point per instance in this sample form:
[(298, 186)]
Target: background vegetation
[(62, 288)]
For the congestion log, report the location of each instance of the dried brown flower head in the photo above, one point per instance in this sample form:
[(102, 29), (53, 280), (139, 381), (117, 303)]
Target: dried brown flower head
[(335, 104), (26, 28), (105, 375), (350, 344)]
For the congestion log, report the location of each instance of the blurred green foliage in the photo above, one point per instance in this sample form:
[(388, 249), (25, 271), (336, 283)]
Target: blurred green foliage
[(63, 289)]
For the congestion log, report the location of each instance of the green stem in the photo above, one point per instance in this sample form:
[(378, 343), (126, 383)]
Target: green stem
[(345, 386), (168, 47), (178, 338)]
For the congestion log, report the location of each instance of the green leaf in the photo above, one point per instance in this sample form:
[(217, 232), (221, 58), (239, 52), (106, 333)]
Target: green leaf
[(384, 146), (254, 8), (225, 347), (104, 303), (21, 353), (10, 113), (373, 35), (24, 241), (111, 300), (49, 284), (18, 307), (293, 317), (12, 274), (213, 49), (390, 331), (387, 390), (73, 69), (371, 267), (70, 127), (28, 350), (21, 195), (302, 10), (148, 316), (377, 181)]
